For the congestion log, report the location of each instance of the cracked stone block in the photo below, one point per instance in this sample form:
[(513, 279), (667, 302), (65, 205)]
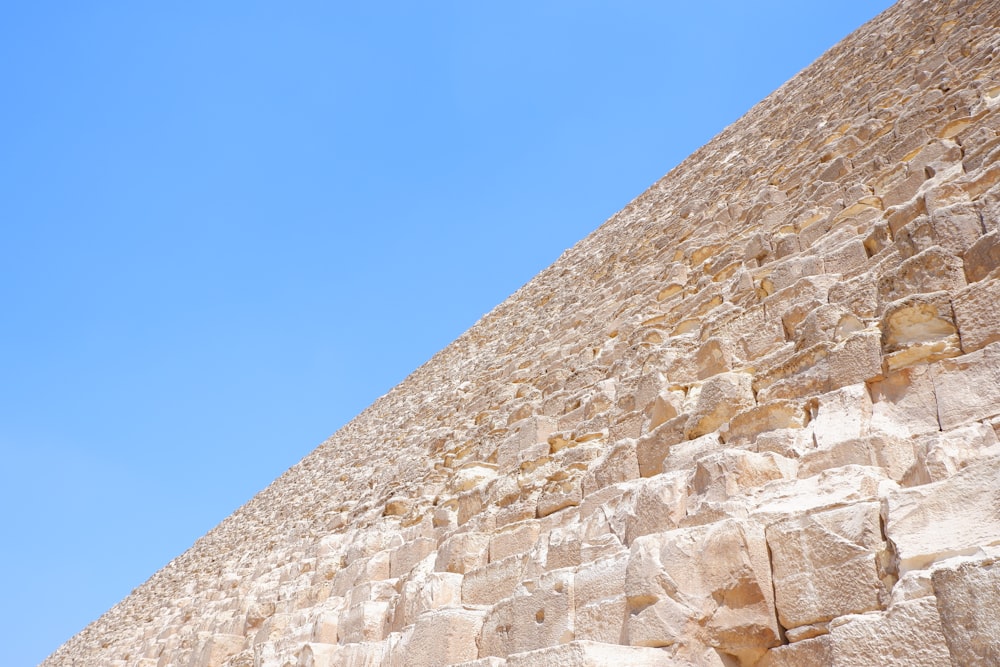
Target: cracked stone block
[(827, 564)]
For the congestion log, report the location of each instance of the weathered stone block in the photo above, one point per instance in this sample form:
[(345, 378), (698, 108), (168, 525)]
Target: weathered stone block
[(592, 654), (977, 315), (968, 597), (493, 582), (983, 257), (967, 388), (904, 404), (953, 517), (540, 614), (721, 397), (514, 539), (716, 577), (444, 637), (827, 564), (909, 634), (463, 552)]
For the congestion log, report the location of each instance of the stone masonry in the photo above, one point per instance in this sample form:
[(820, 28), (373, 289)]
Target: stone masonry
[(750, 420)]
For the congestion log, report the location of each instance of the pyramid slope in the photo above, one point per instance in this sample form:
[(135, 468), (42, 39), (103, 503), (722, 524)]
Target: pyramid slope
[(719, 429)]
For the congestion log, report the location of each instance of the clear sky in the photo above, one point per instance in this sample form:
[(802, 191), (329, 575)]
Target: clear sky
[(229, 226)]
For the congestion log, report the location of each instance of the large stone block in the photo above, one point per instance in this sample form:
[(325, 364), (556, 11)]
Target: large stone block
[(592, 654), (827, 564), (495, 581), (956, 516), (711, 582), (909, 634), (904, 403), (977, 315), (463, 552), (541, 613), (444, 637), (719, 399), (967, 388), (968, 600)]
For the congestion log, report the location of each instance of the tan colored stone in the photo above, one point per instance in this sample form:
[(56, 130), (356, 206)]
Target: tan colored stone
[(444, 637), (908, 634), (968, 597), (827, 564), (976, 314), (592, 654), (716, 578), (967, 388), (719, 399), (953, 517)]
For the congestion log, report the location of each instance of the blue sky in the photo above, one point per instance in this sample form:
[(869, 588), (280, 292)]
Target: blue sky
[(229, 226)]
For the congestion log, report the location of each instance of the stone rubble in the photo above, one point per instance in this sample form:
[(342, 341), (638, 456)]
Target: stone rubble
[(751, 420)]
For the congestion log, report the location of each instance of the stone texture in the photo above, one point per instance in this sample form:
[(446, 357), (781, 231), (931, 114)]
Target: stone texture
[(751, 420), (968, 597)]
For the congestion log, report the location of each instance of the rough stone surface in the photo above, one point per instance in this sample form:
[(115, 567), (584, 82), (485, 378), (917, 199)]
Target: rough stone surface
[(750, 420)]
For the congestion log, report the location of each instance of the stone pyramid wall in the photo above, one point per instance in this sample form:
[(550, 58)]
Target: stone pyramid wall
[(751, 420)]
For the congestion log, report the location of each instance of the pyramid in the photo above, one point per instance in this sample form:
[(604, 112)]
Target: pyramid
[(750, 420)]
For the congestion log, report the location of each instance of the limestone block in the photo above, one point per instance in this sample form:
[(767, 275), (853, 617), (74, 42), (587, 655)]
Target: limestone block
[(652, 448), (528, 433), (619, 464), (857, 295), (941, 455), (463, 552), (732, 472), (491, 661), (364, 622), (564, 547), (791, 305), (562, 489), (983, 257), (845, 258), (601, 621), (428, 591), (493, 582), (405, 557), (592, 654), (967, 388), (541, 614), (826, 323), (444, 637), (656, 504), (841, 415), (968, 597), (827, 564), (712, 582), (683, 455), (825, 367), (514, 539), (745, 426), (919, 329), (904, 404), (217, 649), (958, 227), (932, 270), (721, 397), (846, 485), (317, 654), (953, 517), (471, 475), (816, 652), (976, 314), (856, 359), (909, 634), (326, 625)]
